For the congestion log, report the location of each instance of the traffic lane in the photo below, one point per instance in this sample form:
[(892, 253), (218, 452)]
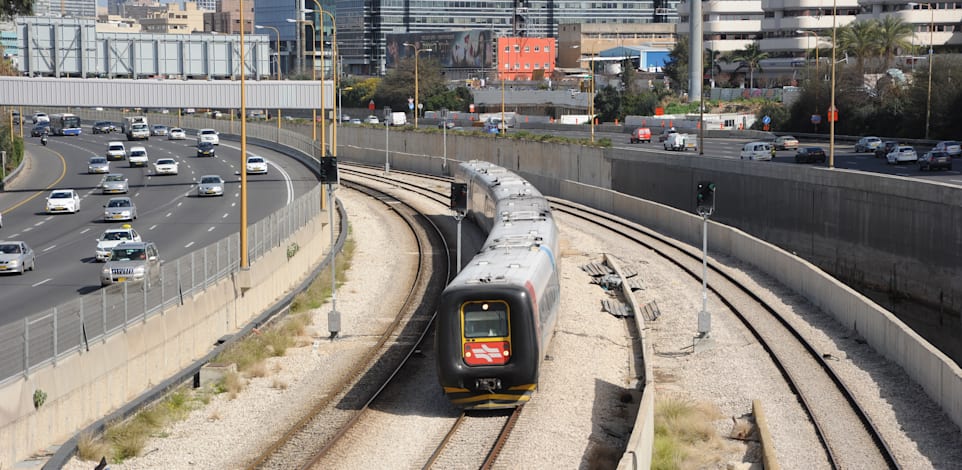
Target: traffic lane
[(44, 170)]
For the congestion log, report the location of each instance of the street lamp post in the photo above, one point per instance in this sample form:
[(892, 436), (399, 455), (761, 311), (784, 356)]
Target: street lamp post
[(416, 52), (313, 71), (244, 260), (928, 102), (831, 110), (277, 62), (805, 32), (321, 11)]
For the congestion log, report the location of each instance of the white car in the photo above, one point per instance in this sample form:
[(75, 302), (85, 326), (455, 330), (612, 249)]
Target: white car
[(951, 147), (40, 117), (165, 166), (137, 156), (113, 237), (210, 185), (756, 151), (176, 134), (372, 119), (256, 165), (902, 153), (63, 200), (208, 135), (116, 150)]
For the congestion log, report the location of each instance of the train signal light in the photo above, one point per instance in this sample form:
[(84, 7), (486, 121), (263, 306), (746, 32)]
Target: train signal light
[(459, 196), (705, 198), (329, 170)]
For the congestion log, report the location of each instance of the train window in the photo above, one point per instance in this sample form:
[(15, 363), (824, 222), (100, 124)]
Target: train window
[(485, 320)]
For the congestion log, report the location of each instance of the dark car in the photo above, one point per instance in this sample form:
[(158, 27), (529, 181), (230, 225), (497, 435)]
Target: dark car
[(886, 148), (104, 127), (40, 129), (205, 149), (935, 159), (810, 155), (446, 123)]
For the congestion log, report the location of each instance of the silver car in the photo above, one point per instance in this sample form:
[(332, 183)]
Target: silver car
[(98, 165), (115, 183), (131, 262), (158, 129), (16, 257), (210, 185), (113, 237), (120, 208)]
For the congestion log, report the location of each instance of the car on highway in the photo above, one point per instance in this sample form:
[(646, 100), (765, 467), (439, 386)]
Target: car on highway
[(113, 237), (208, 135), (885, 148), (165, 166), (355, 121), (131, 262), (810, 155), (98, 165), (210, 185), (104, 127), (902, 154), (372, 119), (640, 134), (665, 133), (785, 142), (16, 257), (40, 117), (63, 200), (935, 159), (16, 117), (206, 149), (867, 144), (756, 151), (115, 183), (40, 129), (116, 150), (158, 129), (137, 156), (950, 147), (120, 208), (256, 165), (446, 124), (176, 133)]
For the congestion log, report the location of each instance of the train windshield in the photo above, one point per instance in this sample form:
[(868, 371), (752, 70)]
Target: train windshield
[(485, 320)]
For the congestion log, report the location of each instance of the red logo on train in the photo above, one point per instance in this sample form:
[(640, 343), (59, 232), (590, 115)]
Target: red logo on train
[(487, 353)]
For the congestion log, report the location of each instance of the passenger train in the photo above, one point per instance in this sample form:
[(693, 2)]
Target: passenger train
[(497, 317)]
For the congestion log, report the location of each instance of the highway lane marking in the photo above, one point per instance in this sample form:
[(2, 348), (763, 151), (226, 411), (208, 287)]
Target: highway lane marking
[(169, 214), (152, 227), (189, 245), (224, 216), (84, 231), (211, 229), (42, 282), (233, 204), (956, 181), (63, 173), (48, 248)]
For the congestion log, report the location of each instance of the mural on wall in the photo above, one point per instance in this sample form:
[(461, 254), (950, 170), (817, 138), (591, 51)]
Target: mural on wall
[(452, 49)]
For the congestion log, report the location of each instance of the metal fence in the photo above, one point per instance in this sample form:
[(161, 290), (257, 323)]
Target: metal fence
[(45, 337)]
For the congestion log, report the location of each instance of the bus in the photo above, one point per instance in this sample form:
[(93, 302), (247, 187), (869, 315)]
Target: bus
[(64, 124)]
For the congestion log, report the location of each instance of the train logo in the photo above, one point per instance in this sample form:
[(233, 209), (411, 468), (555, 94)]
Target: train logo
[(486, 353)]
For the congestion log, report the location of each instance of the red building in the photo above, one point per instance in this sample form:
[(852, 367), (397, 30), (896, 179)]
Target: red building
[(525, 58)]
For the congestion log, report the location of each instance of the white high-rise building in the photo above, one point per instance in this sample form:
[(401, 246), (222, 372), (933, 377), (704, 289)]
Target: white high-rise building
[(66, 8)]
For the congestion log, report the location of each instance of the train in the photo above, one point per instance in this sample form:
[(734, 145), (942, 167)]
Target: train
[(496, 318)]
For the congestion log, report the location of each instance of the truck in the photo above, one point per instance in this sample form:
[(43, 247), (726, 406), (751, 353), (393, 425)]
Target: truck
[(397, 118), (680, 142), (136, 128)]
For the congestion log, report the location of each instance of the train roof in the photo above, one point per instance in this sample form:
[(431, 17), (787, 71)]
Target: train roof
[(513, 266)]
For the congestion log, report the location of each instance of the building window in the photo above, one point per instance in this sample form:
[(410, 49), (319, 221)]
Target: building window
[(537, 49), (547, 48), (517, 48), (507, 48), (527, 48)]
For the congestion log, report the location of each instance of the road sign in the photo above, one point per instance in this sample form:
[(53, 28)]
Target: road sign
[(816, 118), (420, 106), (766, 120), (410, 105), (370, 105)]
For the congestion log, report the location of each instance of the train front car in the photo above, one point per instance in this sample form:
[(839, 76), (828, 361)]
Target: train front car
[(496, 318)]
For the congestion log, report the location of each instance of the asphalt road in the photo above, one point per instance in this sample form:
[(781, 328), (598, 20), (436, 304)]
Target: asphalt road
[(169, 212)]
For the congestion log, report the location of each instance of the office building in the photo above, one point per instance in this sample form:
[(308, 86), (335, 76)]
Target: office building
[(300, 52), (66, 8), (227, 17)]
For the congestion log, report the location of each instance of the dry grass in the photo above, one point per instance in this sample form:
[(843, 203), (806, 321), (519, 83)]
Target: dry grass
[(685, 436)]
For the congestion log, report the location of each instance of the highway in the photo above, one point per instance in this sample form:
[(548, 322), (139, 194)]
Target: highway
[(170, 213)]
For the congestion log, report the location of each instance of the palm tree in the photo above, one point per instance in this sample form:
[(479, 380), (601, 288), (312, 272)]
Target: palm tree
[(749, 57), (893, 36), (859, 39)]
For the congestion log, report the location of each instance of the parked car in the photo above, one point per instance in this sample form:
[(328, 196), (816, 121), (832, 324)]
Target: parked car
[(867, 144), (640, 134), (63, 200), (786, 142), (120, 208), (885, 148), (935, 159), (810, 155), (902, 154), (756, 151), (104, 127), (16, 257), (115, 183), (950, 147)]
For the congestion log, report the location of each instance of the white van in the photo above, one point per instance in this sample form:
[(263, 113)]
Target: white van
[(397, 118), (757, 151)]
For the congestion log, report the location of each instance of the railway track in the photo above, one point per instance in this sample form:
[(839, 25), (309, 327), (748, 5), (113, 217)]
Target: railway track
[(474, 441), (334, 414), (849, 438)]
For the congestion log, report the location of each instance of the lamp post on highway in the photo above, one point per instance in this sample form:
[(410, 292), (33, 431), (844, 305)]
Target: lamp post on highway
[(928, 102), (244, 260), (277, 62), (817, 80), (313, 72), (832, 112), (416, 52)]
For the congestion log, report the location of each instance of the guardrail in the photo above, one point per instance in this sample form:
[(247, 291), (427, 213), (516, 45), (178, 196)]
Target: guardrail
[(42, 338)]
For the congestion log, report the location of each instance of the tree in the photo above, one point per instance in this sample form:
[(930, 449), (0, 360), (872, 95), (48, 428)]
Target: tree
[(11, 8), (750, 57), (859, 39), (676, 68), (893, 35)]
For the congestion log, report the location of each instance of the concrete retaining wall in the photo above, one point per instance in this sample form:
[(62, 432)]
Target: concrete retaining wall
[(88, 385)]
